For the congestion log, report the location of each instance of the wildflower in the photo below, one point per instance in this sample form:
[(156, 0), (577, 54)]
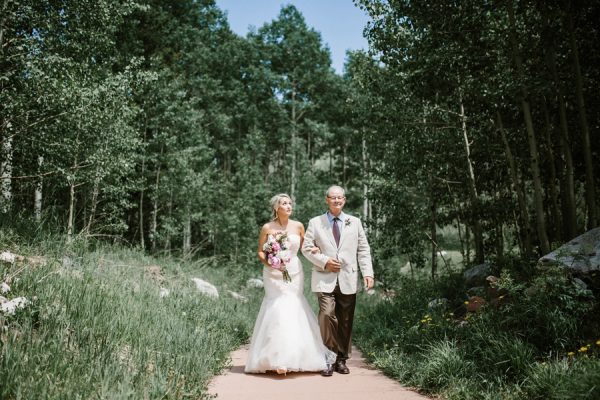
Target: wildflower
[(10, 307), (583, 349), (598, 342), (4, 288), (571, 354), (466, 302)]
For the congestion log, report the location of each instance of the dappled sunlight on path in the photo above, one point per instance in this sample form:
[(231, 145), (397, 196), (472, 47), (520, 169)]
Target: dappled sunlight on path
[(363, 382)]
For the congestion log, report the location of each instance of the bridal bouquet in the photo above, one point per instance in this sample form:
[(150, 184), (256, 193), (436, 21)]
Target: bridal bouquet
[(277, 251)]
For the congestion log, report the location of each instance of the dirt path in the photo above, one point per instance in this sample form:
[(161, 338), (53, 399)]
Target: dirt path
[(363, 382)]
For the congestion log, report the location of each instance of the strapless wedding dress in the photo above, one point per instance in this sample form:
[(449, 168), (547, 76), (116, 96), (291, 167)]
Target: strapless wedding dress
[(286, 332)]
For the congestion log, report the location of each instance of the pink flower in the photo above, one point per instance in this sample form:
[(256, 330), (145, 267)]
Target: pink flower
[(275, 262), (276, 249)]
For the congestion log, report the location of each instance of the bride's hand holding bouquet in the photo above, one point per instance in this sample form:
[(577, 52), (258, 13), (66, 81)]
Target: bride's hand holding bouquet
[(277, 252)]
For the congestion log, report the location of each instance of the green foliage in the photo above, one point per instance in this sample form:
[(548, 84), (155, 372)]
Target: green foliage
[(563, 379), (97, 326), (526, 345), (550, 312)]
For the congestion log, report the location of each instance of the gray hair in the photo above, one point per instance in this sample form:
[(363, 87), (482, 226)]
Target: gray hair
[(275, 200), (332, 187)]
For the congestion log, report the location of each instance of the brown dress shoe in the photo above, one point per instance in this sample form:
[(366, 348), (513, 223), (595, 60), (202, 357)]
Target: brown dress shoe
[(327, 371), (340, 366)]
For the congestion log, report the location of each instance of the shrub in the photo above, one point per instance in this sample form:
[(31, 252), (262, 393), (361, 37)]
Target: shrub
[(550, 312)]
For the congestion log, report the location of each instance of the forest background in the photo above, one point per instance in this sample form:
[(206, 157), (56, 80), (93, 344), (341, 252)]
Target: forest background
[(467, 126)]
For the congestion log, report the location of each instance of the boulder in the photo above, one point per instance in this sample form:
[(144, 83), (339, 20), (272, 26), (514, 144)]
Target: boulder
[(255, 283), (10, 258), (206, 288), (164, 292), (475, 303), (475, 276), (238, 296), (580, 255), (438, 304)]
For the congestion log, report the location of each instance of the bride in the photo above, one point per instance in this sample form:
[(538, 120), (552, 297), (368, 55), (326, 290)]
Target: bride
[(286, 336)]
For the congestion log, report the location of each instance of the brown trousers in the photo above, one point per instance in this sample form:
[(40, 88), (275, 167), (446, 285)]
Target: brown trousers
[(336, 313)]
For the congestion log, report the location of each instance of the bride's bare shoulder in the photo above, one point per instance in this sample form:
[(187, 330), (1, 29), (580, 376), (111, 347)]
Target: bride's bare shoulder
[(298, 226), (267, 227)]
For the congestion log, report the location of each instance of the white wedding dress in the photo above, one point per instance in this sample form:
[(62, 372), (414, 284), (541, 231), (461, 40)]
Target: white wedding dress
[(286, 333)]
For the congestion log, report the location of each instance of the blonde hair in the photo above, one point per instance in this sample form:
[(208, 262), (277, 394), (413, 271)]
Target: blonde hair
[(275, 200)]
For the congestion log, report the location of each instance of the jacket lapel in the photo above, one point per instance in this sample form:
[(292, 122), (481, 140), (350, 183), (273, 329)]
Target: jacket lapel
[(346, 229), (327, 228)]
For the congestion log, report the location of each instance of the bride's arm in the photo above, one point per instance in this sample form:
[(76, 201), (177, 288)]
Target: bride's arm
[(262, 239)]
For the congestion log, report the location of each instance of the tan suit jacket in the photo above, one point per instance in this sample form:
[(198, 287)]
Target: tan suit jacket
[(353, 252)]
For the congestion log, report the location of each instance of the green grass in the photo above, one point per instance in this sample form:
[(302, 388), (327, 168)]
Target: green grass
[(538, 344), (97, 327)]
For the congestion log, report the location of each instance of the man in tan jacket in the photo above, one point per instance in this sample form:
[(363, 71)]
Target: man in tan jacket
[(343, 249)]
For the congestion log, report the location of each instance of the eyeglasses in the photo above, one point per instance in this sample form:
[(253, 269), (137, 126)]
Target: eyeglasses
[(336, 197)]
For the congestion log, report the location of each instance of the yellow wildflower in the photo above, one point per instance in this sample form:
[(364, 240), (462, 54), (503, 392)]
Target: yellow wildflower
[(466, 302), (570, 354), (598, 342), (583, 349)]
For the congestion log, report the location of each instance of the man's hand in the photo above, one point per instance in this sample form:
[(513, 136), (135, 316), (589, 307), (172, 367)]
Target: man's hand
[(315, 250), (369, 282), (333, 265)]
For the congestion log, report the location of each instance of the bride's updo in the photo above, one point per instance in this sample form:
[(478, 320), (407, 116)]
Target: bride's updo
[(275, 200)]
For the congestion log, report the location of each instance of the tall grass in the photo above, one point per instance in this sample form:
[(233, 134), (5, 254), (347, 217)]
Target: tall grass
[(542, 341), (98, 328)]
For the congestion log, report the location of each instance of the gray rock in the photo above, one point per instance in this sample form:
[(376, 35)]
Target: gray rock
[(475, 276), (206, 288), (238, 296), (438, 304), (581, 254), (254, 282), (8, 257)]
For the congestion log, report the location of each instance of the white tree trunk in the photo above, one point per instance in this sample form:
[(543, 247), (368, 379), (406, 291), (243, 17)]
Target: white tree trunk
[(187, 234), (6, 174), (477, 230), (365, 184), (37, 206), (71, 212), (293, 145)]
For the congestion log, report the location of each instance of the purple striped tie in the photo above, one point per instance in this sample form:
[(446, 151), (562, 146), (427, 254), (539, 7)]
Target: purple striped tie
[(336, 231)]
